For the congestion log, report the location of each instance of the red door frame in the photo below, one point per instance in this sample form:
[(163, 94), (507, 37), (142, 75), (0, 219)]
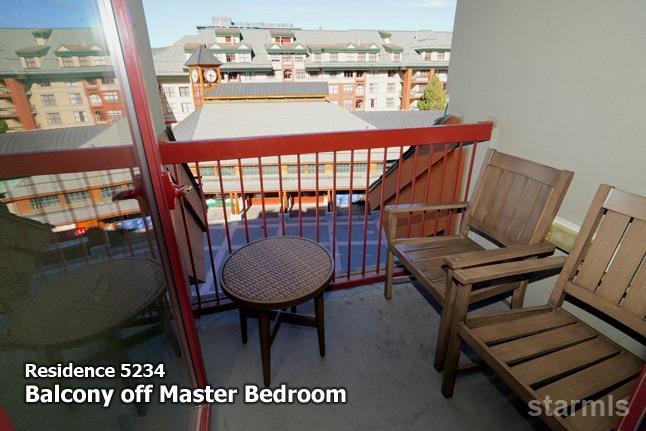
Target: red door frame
[(144, 125)]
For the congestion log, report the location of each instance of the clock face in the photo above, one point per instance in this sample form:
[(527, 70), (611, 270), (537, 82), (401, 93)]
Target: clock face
[(195, 76), (210, 75)]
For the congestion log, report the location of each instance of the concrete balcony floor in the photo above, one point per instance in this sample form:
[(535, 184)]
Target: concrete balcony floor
[(381, 352)]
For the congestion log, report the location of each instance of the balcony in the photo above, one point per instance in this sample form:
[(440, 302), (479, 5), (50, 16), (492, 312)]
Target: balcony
[(8, 113)]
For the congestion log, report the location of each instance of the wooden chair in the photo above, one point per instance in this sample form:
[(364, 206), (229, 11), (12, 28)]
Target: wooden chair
[(547, 352), (514, 204)]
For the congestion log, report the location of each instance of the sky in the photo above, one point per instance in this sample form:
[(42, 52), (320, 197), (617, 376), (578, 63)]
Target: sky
[(168, 20)]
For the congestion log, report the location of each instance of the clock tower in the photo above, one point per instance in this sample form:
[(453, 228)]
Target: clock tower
[(204, 73)]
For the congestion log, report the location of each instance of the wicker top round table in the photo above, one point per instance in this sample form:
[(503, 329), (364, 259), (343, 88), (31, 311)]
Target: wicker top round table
[(274, 274)]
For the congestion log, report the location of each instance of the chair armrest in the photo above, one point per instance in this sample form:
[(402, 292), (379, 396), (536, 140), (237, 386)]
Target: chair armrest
[(485, 257), (509, 269), (409, 208)]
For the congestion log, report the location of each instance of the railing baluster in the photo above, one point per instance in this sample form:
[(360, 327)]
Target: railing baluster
[(244, 202), (458, 171), (399, 174), (208, 231), (262, 197), (300, 198), (280, 192), (365, 215), (381, 207), (474, 148), (316, 168), (429, 167), (69, 207), (188, 243), (224, 207), (334, 211), (437, 213), (350, 212), (95, 209), (412, 189)]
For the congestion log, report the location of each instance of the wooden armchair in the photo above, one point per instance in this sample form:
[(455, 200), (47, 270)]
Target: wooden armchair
[(514, 204), (547, 352)]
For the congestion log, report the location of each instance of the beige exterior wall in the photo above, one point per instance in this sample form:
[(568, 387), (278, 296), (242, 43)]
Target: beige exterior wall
[(61, 90), (547, 73)]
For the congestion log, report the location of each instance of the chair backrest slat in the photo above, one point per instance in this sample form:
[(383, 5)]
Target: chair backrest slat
[(516, 200), (607, 266)]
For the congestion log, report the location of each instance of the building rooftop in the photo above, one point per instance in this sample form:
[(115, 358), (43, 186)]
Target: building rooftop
[(170, 61), (399, 119), (229, 120), (251, 90)]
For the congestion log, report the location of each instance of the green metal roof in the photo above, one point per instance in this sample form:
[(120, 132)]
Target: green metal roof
[(227, 32), (42, 32), (286, 33), (32, 51)]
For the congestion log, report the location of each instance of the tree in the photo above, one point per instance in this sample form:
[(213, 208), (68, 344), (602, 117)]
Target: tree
[(3, 126), (434, 97)]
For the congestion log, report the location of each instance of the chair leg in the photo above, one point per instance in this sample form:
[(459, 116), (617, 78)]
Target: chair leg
[(444, 333), (320, 323), (453, 354), (518, 297), (243, 325), (265, 346), (388, 290)]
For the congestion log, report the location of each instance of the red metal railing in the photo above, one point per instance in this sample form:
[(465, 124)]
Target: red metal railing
[(355, 239)]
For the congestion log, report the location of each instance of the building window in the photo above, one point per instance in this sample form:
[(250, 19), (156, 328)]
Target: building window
[(270, 170), (287, 74), (391, 87), (245, 57), (233, 76), (347, 88), (347, 74), (347, 104), (115, 115), (342, 168), (360, 167), (107, 192), (426, 55), (317, 58), (300, 74), (334, 56), (75, 98), (89, 82), (358, 104), (73, 197), (31, 63), (286, 59), (44, 83), (275, 58), (85, 61), (99, 117), (250, 170), (48, 99), (184, 91), (372, 57), (334, 89), (111, 96), (99, 61), (53, 118), (373, 88), (298, 58), (44, 202), (390, 103), (68, 62), (360, 74), (373, 103), (396, 56), (207, 171), (361, 56), (227, 39), (95, 99), (359, 90), (187, 107), (169, 91), (392, 74), (107, 81), (440, 56), (228, 171), (230, 58), (81, 116)]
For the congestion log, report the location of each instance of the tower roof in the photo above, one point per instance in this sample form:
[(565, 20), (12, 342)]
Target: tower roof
[(202, 57)]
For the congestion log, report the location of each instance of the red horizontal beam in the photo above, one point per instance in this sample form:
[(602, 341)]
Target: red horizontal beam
[(267, 146), (65, 161)]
